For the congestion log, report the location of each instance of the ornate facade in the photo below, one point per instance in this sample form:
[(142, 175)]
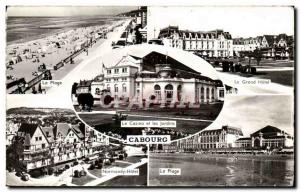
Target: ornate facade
[(156, 77), (215, 43)]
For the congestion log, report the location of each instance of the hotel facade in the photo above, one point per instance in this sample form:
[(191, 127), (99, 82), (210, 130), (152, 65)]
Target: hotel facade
[(232, 138), (216, 43), (49, 146)]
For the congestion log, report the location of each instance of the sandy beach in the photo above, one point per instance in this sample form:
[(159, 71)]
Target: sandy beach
[(24, 59)]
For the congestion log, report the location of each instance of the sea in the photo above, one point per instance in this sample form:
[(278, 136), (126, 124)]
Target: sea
[(24, 29)]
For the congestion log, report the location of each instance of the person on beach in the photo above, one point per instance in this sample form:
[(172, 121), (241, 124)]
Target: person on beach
[(33, 90)]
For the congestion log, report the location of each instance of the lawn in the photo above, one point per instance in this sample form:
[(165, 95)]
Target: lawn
[(189, 124), (82, 180), (139, 180), (184, 126), (135, 159)]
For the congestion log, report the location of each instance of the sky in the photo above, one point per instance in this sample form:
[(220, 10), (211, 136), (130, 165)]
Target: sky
[(251, 113), (239, 21), (38, 101), (66, 10)]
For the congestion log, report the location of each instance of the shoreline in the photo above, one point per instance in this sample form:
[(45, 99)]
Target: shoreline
[(71, 41), (227, 156)]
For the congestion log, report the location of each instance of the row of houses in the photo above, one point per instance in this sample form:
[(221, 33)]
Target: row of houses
[(48, 146), (218, 43), (229, 137), (272, 46)]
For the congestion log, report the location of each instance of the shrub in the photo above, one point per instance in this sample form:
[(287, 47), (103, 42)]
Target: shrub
[(35, 173), (100, 161), (50, 171), (121, 157), (82, 173), (92, 167), (112, 160), (76, 173), (107, 162), (96, 162), (99, 166)]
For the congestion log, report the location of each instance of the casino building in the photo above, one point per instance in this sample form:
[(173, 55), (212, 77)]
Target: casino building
[(232, 138), (157, 75), (268, 136)]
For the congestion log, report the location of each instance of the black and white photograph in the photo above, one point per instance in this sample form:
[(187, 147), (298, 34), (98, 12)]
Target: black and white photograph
[(255, 148), (150, 82), (47, 145), (150, 95)]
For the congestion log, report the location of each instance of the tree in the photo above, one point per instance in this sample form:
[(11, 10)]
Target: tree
[(144, 149), (138, 36), (74, 87), (86, 99), (14, 154)]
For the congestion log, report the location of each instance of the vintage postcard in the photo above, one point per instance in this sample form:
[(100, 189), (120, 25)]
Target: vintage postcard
[(150, 96)]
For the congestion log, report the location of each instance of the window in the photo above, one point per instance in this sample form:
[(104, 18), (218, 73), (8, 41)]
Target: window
[(157, 92), (207, 93), (137, 84), (108, 87), (40, 138), (97, 91), (116, 71), (169, 91), (36, 138), (116, 88), (124, 88), (221, 94), (109, 71), (124, 70), (43, 146)]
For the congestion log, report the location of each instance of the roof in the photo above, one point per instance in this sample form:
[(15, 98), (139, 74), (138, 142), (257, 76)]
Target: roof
[(50, 135), (27, 128), (77, 131), (270, 39), (269, 131), (128, 61), (244, 139), (84, 83), (62, 128), (139, 51)]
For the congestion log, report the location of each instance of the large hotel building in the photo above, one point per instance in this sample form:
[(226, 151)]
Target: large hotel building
[(229, 137), (216, 43), (49, 146)]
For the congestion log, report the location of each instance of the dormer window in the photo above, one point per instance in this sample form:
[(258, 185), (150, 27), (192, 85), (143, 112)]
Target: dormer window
[(109, 71), (116, 71)]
